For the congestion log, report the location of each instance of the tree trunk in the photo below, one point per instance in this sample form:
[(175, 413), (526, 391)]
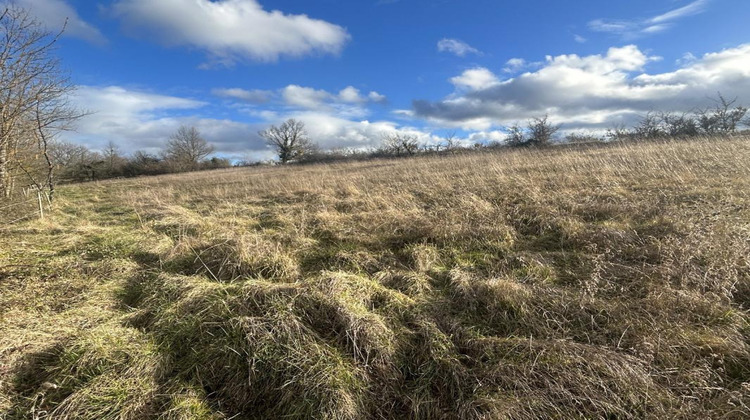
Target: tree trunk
[(50, 174), (4, 173)]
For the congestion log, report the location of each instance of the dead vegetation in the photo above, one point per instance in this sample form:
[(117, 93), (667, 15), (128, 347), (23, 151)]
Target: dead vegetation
[(609, 282)]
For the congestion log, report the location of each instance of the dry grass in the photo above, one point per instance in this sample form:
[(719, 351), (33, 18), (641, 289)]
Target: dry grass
[(608, 282)]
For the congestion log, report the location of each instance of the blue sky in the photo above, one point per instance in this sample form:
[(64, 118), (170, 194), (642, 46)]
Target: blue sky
[(353, 70)]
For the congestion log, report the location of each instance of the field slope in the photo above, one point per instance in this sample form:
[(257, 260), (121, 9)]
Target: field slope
[(609, 282)]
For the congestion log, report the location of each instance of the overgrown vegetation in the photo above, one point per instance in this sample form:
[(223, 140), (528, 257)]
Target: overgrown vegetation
[(528, 283), (34, 103)]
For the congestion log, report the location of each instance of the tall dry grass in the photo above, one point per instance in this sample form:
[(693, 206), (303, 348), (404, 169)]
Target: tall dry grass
[(602, 282)]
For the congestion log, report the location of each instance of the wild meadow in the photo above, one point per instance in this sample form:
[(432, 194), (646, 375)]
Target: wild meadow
[(569, 282)]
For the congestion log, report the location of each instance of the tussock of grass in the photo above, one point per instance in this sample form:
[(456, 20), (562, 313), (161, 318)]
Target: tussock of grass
[(594, 283), (232, 259)]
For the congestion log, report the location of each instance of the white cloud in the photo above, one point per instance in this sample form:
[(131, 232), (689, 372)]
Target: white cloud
[(230, 30), (255, 96), (349, 101), (331, 131), (305, 97), (593, 91), (515, 65), (457, 47), (351, 94), (53, 14), (687, 59), (475, 79), (487, 136), (631, 29), (694, 8), (133, 119), (376, 97), (118, 102), (580, 39)]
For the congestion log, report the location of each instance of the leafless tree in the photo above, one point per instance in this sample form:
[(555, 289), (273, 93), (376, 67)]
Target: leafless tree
[(516, 136), (541, 131), (289, 139), (649, 127), (678, 125), (73, 162), (400, 144), (723, 117), (450, 143), (66, 154), (33, 91), (187, 147), (113, 159)]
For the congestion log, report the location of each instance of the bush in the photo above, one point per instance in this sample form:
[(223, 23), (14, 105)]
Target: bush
[(541, 131)]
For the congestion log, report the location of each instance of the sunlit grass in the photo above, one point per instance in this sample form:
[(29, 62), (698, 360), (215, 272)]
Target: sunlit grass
[(602, 282)]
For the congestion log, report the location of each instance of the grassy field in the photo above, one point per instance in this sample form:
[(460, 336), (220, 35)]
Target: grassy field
[(608, 282)]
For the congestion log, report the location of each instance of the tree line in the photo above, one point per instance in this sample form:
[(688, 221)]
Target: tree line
[(185, 150), (188, 150)]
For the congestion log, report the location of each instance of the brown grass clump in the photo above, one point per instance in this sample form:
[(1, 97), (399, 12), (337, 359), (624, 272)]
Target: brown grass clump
[(609, 282)]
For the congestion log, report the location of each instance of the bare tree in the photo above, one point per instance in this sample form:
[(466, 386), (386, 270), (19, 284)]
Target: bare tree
[(516, 136), (724, 117), (33, 91), (541, 131), (649, 127), (450, 143), (678, 125), (618, 132), (289, 139), (187, 147), (113, 159), (73, 162), (400, 144), (66, 154)]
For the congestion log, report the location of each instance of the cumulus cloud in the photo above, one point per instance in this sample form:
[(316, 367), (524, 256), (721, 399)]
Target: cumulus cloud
[(138, 120), (593, 91), (630, 29), (230, 30), (349, 99), (457, 47), (475, 79), (514, 64), (377, 98), (53, 14), (351, 94), (296, 96), (305, 97)]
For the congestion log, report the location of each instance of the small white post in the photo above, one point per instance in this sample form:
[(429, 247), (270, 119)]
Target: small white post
[(49, 203), (41, 207)]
